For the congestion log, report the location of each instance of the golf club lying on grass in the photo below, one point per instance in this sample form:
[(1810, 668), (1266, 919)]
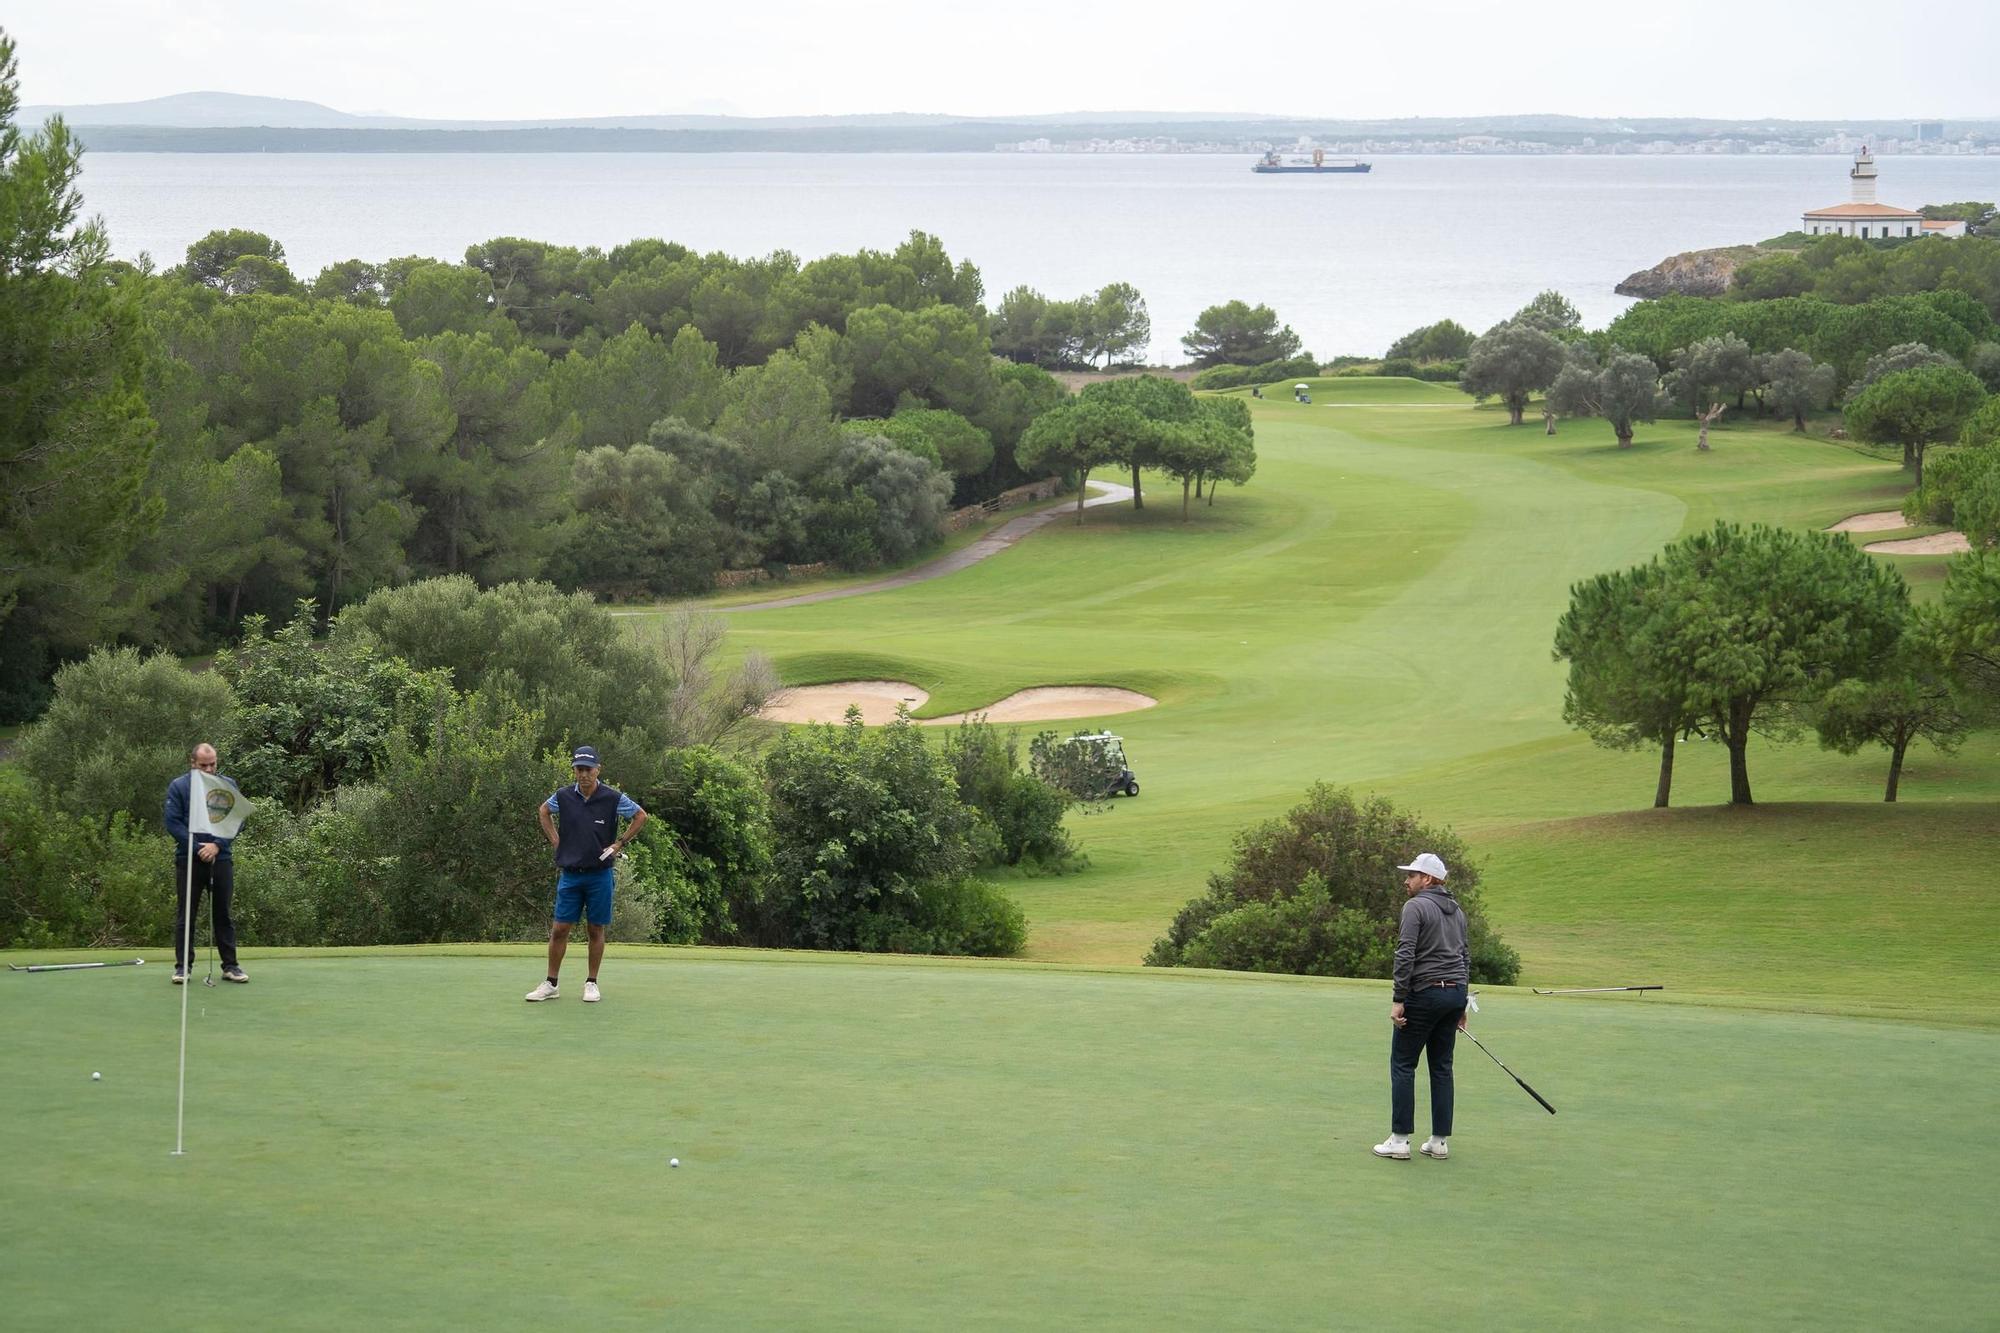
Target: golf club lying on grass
[(71, 967), (1594, 990), (1510, 1073)]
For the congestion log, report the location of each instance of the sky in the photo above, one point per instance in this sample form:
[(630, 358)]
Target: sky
[(523, 59)]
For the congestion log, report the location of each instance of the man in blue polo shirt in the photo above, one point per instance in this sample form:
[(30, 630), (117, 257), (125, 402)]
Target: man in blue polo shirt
[(581, 823)]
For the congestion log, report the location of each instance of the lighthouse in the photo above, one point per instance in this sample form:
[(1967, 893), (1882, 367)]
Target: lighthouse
[(1863, 176), (1862, 217)]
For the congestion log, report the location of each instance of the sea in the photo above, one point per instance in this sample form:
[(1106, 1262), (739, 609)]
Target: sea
[(1351, 262)]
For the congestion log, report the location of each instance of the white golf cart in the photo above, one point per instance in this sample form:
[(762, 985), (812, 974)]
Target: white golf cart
[(1109, 758)]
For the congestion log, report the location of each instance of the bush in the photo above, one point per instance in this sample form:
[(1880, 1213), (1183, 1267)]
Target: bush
[(79, 881), (458, 819), (955, 916), (312, 716), (320, 877), (1023, 813), (119, 729), (1316, 893), (869, 832), (571, 664), (705, 856)]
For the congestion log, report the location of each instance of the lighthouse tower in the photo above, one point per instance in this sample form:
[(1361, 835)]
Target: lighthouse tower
[(1863, 176)]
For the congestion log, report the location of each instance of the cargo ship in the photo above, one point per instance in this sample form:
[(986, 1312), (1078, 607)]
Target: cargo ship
[(1320, 165)]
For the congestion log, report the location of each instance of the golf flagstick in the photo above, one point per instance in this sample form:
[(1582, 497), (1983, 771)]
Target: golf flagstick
[(187, 949), (1508, 1072)]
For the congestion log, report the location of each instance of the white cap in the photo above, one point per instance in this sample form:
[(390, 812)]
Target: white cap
[(1426, 863)]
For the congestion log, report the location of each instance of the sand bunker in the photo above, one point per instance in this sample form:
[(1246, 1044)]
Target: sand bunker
[(1046, 703), (1887, 520), (1938, 543), (877, 700)]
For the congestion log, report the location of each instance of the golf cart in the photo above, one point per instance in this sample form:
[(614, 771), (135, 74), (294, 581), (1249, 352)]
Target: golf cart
[(1302, 393), (1108, 757)]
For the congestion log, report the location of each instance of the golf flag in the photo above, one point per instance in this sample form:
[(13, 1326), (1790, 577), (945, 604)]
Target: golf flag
[(215, 805)]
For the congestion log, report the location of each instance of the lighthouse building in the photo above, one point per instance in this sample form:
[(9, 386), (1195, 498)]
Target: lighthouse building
[(1869, 220)]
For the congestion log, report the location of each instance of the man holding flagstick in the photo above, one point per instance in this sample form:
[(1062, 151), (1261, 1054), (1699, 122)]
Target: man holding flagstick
[(203, 812)]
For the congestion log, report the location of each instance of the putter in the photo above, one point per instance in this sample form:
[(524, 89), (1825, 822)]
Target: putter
[(1596, 990), (1511, 1074), (72, 967)]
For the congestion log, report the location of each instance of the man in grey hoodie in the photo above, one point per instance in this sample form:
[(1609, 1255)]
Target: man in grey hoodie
[(1431, 979)]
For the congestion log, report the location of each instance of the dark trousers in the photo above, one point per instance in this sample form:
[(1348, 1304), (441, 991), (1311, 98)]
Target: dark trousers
[(1430, 1030), (217, 879)]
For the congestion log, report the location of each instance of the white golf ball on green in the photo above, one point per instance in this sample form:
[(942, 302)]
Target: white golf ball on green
[(94, 1076), (673, 1161)]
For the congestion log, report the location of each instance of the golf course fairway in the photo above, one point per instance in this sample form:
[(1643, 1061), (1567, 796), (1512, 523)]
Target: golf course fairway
[(1376, 609), (394, 1139)]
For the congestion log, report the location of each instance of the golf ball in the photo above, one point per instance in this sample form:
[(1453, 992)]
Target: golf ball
[(95, 1076), (671, 1161)]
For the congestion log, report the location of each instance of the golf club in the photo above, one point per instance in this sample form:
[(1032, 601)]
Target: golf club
[(209, 980), (72, 967), (1510, 1073), (1595, 990)]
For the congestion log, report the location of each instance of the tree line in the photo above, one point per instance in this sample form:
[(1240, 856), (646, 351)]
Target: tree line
[(183, 449), (1739, 632), (398, 761)]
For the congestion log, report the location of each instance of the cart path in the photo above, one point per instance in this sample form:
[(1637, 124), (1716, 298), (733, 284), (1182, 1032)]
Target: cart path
[(992, 544)]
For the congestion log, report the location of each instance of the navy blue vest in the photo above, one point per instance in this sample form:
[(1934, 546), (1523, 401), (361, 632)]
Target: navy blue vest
[(584, 828)]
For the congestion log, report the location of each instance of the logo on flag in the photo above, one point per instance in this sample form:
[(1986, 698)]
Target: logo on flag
[(216, 806)]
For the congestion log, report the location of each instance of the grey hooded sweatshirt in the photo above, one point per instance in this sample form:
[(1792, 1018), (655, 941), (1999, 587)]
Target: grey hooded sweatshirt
[(1432, 946)]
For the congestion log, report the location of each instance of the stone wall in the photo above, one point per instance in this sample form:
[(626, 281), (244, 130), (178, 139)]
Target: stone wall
[(956, 521), (960, 519)]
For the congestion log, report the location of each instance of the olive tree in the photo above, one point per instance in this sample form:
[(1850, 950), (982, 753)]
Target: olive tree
[(1512, 362), (1794, 384)]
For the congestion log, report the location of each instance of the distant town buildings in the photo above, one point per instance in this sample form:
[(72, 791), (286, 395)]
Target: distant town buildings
[(1868, 219), (1927, 137)]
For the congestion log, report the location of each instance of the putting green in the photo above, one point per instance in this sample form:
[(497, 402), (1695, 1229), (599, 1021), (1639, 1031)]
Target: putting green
[(396, 1139), (1376, 609)]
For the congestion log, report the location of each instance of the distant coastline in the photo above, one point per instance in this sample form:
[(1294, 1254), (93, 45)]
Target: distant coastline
[(1344, 138)]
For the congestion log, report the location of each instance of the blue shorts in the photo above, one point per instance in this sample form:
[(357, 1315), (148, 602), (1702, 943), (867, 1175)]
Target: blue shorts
[(576, 888)]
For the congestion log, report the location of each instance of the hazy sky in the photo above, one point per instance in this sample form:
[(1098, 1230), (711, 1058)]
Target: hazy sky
[(511, 59)]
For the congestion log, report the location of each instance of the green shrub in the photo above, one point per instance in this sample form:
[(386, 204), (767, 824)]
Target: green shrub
[(706, 854), (868, 827), (556, 655), (119, 729), (79, 881), (318, 878), (313, 716), (458, 817), (953, 916), (1316, 892), (1024, 813)]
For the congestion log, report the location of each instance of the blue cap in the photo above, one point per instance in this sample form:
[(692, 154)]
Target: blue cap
[(585, 757)]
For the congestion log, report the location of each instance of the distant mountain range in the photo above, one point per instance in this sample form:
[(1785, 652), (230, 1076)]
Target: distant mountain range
[(211, 110)]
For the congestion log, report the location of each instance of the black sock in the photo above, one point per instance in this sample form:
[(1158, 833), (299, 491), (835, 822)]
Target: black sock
[(554, 982)]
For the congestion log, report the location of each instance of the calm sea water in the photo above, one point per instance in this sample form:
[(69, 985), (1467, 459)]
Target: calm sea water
[(1351, 262)]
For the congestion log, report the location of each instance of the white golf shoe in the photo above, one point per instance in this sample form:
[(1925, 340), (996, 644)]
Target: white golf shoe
[(1435, 1147), (1396, 1147), (545, 991), (590, 995)]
